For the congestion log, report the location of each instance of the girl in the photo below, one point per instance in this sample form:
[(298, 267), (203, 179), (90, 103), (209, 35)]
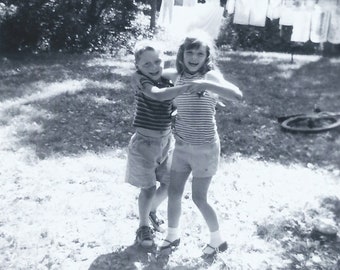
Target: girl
[(197, 147)]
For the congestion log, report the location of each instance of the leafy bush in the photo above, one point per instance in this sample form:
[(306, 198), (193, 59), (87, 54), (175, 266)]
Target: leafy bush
[(68, 25)]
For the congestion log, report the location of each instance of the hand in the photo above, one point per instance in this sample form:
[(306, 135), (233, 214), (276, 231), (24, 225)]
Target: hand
[(197, 86)]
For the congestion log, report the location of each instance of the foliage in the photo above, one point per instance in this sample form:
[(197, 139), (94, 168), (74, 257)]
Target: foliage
[(68, 25)]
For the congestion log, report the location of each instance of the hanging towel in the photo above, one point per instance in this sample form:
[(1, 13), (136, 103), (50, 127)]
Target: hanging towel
[(166, 12), (242, 11), (208, 18), (287, 14), (258, 12), (231, 6), (301, 25), (274, 9), (319, 24), (334, 26)]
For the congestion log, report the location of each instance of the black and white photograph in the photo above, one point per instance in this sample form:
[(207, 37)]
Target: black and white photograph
[(170, 134)]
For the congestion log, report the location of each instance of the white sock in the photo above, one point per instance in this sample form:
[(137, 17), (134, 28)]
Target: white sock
[(172, 235), (215, 239)]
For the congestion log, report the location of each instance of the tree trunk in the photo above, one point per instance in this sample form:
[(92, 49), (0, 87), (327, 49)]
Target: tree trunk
[(153, 14)]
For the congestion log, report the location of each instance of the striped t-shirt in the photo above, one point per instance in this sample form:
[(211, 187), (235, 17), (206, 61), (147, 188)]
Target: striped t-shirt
[(195, 119), (150, 113)]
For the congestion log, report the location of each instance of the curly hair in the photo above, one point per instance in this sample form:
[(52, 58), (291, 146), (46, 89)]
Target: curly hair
[(194, 41)]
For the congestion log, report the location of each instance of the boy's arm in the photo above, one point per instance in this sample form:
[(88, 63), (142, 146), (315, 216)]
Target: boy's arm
[(141, 83), (162, 94)]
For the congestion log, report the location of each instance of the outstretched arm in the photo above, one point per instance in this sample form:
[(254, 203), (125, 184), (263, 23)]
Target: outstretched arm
[(215, 83), (155, 92)]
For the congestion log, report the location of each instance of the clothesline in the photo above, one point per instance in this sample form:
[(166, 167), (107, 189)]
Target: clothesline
[(182, 16), (315, 20)]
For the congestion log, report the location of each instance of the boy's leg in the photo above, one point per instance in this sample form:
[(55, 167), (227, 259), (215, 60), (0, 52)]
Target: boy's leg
[(145, 199), (161, 194), (144, 233)]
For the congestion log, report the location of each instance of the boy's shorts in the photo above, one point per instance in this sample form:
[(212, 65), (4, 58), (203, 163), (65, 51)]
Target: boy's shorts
[(149, 160), (202, 160)]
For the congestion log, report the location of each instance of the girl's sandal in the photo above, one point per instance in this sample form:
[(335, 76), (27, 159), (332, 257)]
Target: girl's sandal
[(172, 245), (220, 248)]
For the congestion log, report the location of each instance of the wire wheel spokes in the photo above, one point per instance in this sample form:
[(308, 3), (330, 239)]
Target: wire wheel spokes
[(311, 123)]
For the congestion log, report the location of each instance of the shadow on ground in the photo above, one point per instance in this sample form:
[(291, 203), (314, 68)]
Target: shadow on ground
[(134, 257), (99, 117)]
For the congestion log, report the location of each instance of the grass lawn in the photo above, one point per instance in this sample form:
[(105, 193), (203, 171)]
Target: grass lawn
[(65, 123)]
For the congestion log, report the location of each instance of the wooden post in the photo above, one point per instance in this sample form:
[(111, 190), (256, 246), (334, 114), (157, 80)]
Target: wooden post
[(153, 14)]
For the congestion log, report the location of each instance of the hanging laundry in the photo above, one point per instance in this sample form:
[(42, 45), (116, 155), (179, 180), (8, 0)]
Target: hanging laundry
[(208, 18), (319, 24), (231, 6), (242, 11), (182, 18), (274, 9), (166, 12), (334, 26), (302, 25), (287, 14), (258, 12)]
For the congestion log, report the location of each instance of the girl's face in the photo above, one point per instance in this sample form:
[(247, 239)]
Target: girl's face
[(149, 64), (194, 58)]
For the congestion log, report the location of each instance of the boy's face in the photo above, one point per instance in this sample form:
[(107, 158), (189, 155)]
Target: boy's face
[(149, 65)]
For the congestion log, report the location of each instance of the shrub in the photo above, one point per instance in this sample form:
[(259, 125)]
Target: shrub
[(67, 25)]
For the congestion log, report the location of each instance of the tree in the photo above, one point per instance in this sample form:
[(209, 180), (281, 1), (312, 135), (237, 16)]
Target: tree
[(153, 13), (72, 25)]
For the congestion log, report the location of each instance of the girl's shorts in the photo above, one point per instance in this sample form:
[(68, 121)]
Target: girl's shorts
[(202, 160), (149, 160)]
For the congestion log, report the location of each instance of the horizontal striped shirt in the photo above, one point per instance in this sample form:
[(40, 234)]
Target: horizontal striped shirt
[(195, 119), (151, 113)]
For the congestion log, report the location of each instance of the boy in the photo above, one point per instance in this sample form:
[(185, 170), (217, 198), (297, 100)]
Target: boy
[(150, 148)]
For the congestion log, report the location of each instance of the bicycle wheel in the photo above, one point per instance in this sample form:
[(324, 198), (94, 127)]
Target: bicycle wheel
[(310, 123)]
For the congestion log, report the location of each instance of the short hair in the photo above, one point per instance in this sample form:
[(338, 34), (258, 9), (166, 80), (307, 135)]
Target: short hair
[(194, 41), (143, 46)]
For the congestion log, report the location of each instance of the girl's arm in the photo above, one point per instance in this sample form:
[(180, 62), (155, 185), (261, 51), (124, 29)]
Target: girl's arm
[(215, 83)]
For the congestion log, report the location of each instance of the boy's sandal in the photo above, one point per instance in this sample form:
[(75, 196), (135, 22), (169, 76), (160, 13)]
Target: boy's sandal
[(220, 248), (172, 245)]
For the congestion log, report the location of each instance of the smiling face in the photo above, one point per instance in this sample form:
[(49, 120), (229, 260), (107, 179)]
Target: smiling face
[(194, 58), (149, 64)]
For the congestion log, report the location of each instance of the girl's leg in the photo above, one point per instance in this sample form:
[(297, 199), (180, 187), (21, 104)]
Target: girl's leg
[(144, 204), (200, 186), (175, 192)]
